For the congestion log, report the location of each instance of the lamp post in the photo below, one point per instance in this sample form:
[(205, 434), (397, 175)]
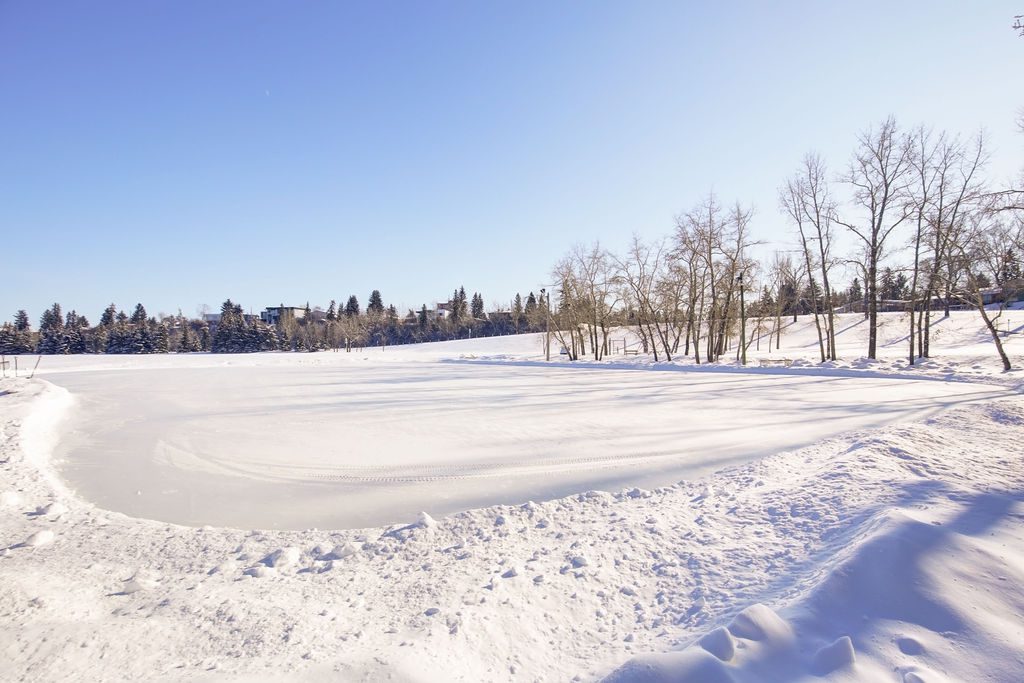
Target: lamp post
[(743, 323), (547, 322)]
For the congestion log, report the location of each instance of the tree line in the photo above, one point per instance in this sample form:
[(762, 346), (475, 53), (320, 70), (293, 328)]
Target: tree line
[(931, 233), (233, 331)]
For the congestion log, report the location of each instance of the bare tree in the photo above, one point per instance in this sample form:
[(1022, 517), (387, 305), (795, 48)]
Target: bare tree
[(807, 201), (878, 174), (925, 178), (954, 189), (641, 276), (983, 245)]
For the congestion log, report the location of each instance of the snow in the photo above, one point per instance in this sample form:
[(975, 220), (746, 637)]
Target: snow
[(887, 546), (357, 440)]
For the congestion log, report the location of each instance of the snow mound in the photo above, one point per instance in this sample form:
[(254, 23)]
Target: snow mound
[(689, 666), (911, 592), (283, 558), (142, 581), (55, 510), (39, 539), (834, 656)]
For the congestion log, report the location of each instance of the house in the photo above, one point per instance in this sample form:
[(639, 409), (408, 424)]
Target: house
[(441, 311), (273, 314)]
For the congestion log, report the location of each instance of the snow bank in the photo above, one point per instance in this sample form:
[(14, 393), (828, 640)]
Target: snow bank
[(894, 553)]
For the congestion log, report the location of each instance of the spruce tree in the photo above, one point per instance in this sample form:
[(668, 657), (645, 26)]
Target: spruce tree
[(204, 337), (352, 307), (855, 293), (517, 311), (52, 339), (376, 305), (109, 314), (8, 339), (187, 339), (138, 315), (423, 316), (454, 309), (332, 311), (21, 323), (478, 306)]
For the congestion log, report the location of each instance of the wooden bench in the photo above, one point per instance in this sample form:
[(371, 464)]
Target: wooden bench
[(630, 352), (775, 362)]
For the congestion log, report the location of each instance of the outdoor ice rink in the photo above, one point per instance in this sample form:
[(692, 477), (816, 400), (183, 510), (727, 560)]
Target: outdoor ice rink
[(356, 442)]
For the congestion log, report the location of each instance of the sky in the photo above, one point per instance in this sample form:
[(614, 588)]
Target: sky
[(181, 153)]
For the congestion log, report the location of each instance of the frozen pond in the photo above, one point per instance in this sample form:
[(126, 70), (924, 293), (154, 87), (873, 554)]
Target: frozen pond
[(368, 443)]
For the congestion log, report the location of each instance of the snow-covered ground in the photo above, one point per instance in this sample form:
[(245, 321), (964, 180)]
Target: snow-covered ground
[(881, 541), (355, 444)]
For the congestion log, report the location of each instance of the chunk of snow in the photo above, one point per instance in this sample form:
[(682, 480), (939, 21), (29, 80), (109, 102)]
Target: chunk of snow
[(340, 552), (259, 571), (759, 622), (720, 643), (834, 656), (39, 539), (138, 583), (54, 509), (425, 521), (283, 558)]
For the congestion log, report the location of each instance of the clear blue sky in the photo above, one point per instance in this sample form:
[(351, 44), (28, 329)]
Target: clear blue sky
[(179, 153)]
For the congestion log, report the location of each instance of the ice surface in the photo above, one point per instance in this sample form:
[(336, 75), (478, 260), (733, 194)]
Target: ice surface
[(360, 443)]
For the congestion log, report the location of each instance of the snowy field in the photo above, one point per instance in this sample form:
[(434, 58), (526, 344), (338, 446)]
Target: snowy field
[(859, 521)]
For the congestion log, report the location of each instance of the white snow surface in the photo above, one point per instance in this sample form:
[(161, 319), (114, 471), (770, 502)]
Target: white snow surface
[(883, 545)]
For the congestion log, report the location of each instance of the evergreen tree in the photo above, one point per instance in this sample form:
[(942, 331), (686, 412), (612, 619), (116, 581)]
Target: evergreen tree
[(478, 306), (76, 329), (20, 337), (138, 315), (332, 311), (856, 294), (122, 317), (109, 314), (21, 323), (52, 318), (119, 338), (160, 340), (186, 343), (531, 305), (423, 316), (52, 339), (1009, 269), (352, 307), (900, 286), (376, 305), (517, 311), (454, 310), (8, 340), (205, 341)]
